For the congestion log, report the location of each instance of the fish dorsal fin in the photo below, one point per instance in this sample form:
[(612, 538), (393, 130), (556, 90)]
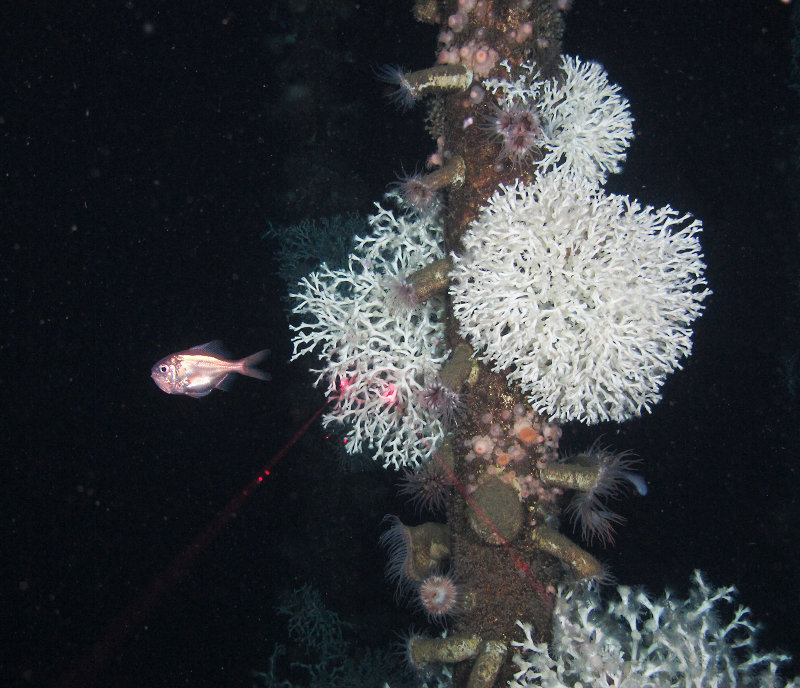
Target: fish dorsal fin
[(213, 348)]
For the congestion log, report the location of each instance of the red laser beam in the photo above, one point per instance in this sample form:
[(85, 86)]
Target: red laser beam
[(86, 670), (538, 587)]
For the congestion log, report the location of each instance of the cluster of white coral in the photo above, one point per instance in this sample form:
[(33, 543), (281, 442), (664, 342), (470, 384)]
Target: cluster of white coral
[(376, 358), (584, 298), (524, 90), (586, 122), (640, 642)]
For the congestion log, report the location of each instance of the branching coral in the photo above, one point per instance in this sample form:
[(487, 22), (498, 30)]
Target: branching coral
[(586, 125), (583, 298), (641, 642), (376, 357)]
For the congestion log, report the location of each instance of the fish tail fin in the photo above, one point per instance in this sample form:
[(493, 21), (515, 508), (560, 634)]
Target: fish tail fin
[(248, 365)]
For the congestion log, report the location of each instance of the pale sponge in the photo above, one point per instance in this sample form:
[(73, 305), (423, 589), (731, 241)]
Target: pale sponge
[(583, 298)]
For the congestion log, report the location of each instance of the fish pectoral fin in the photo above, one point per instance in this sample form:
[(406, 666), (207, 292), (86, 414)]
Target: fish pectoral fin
[(226, 382), (197, 395)]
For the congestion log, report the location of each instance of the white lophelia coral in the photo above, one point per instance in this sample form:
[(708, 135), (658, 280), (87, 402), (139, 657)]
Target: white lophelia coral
[(524, 90), (640, 642), (586, 123), (376, 355), (588, 126), (583, 298)]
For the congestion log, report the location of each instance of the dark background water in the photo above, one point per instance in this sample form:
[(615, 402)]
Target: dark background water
[(145, 147)]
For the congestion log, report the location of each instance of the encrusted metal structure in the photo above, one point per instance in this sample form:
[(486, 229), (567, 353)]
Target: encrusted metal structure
[(502, 544)]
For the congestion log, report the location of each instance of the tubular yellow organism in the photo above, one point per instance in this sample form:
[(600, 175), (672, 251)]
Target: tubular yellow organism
[(452, 173), (431, 279), (570, 476), (487, 664), (457, 369), (427, 651), (579, 560), (439, 78)]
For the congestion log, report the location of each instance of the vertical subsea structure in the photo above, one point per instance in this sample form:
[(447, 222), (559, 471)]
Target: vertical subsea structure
[(502, 293)]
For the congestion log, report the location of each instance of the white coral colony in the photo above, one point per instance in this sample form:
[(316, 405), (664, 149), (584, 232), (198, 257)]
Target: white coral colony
[(586, 121), (376, 357), (583, 298)]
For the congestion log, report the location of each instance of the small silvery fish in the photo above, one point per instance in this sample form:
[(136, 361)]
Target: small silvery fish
[(196, 371)]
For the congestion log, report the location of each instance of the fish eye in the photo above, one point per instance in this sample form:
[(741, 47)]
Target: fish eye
[(164, 368)]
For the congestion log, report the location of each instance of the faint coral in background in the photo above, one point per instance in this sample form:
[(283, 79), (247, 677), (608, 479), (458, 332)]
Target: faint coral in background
[(326, 658), (790, 373), (303, 247)]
